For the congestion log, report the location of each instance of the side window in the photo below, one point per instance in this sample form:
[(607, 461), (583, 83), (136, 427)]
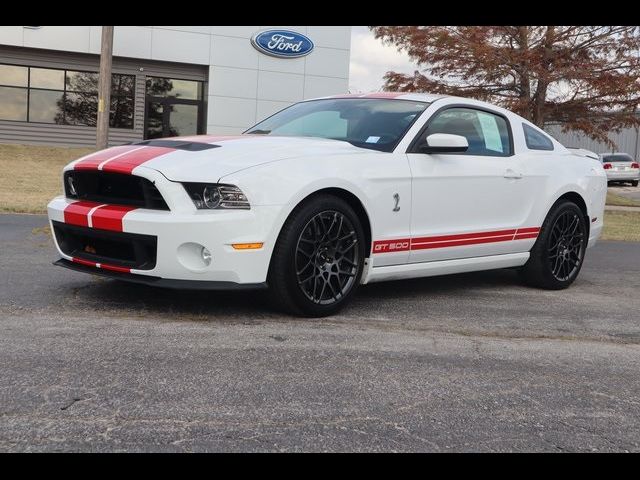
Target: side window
[(487, 133), (536, 140)]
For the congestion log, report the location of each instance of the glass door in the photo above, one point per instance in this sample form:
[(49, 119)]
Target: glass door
[(173, 108)]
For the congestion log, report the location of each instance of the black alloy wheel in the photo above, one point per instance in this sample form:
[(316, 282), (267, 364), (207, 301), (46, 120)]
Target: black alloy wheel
[(567, 243), (558, 253), (327, 259), (318, 259)]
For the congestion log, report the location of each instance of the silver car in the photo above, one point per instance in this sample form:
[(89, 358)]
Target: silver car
[(621, 167)]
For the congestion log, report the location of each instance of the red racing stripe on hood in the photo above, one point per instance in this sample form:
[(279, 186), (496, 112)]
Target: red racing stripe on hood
[(128, 162), (91, 162)]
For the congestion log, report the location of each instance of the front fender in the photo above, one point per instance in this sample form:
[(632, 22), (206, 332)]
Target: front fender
[(375, 179)]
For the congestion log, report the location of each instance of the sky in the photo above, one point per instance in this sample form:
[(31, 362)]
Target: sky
[(371, 59)]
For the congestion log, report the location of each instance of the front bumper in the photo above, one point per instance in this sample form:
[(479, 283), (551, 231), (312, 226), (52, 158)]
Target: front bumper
[(178, 237), (160, 282)]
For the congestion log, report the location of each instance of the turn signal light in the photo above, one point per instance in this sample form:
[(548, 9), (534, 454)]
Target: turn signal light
[(635, 165), (247, 246), (607, 166)]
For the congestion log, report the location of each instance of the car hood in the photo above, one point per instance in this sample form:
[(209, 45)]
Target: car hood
[(232, 154)]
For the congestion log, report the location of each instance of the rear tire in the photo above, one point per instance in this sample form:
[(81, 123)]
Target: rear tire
[(558, 254), (318, 258), (634, 183)]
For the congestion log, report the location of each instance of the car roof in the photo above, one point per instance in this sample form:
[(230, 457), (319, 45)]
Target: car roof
[(418, 97)]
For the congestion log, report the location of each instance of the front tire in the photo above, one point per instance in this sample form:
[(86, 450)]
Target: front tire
[(318, 259), (558, 254), (634, 183)]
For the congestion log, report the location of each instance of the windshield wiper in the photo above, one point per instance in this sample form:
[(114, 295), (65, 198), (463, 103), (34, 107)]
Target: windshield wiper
[(259, 132)]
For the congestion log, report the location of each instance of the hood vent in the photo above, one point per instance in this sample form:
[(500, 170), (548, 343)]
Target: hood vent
[(178, 145)]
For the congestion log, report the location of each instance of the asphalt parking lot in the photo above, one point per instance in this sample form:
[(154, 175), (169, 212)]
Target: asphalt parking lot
[(472, 362)]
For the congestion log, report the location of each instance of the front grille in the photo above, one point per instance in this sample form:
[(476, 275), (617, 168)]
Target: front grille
[(114, 188), (130, 250)]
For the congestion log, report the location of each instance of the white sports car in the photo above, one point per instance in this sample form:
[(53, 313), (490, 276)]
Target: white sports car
[(332, 193)]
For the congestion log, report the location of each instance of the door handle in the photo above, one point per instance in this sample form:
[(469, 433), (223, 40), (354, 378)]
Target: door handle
[(512, 174)]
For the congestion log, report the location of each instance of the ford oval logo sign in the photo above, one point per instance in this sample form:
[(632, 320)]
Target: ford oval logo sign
[(282, 43)]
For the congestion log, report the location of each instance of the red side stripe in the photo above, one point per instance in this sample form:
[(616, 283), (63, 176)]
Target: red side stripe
[(92, 161), (522, 236), (110, 217), (463, 236), (127, 163), (529, 230), (76, 213), (455, 240), (459, 243)]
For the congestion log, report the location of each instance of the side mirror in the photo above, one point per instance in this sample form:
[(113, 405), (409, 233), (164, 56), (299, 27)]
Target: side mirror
[(444, 143)]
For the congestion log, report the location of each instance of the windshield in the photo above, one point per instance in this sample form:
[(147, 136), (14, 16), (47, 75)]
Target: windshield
[(377, 124), (617, 158)]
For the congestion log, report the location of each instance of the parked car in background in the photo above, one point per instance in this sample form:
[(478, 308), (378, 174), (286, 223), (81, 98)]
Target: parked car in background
[(620, 167)]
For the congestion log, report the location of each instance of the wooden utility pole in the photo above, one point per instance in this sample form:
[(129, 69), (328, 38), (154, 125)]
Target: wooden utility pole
[(104, 88)]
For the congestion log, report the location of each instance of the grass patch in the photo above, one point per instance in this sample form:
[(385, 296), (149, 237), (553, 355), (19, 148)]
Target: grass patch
[(32, 175), (620, 201), (620, 225)]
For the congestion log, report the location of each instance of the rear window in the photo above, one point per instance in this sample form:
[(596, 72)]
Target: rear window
[(536, 140), (617, 158)]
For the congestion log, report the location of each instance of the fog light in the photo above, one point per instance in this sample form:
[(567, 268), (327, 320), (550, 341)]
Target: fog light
[(194, 256), (206, 256)]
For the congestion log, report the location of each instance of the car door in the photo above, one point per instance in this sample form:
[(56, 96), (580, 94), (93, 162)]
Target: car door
[(467, 204)]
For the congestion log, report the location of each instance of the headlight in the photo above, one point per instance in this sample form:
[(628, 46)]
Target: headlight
[(208, 196)]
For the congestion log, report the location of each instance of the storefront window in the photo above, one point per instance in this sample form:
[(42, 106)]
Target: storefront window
[(47, 78), (44, 106), (63, 97), (14, 76), (13, 103)]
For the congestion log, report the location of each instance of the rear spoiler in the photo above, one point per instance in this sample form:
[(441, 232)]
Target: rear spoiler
[(583, 153)]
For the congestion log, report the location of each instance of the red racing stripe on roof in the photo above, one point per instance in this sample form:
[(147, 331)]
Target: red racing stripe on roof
[(385, 94)]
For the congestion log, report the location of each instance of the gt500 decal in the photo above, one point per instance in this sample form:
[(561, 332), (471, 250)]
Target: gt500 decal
[(458, 240), (388, 246)]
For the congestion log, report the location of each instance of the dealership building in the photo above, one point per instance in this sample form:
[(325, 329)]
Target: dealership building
[(166, 80)]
